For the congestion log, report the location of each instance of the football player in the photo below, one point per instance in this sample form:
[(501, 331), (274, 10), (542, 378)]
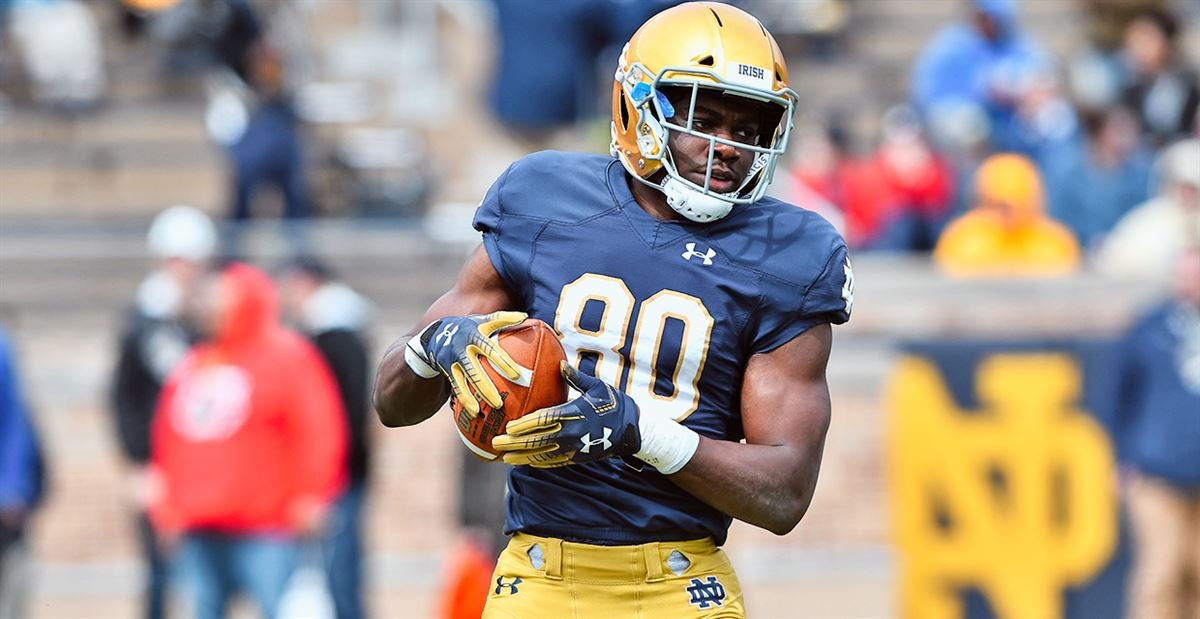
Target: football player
[(696, 316)]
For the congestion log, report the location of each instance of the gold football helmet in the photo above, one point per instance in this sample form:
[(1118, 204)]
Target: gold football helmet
[(692, 46)]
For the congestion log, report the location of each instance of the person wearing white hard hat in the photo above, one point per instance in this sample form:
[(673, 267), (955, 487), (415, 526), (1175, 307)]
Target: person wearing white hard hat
[(158, 332), (1147, 239)]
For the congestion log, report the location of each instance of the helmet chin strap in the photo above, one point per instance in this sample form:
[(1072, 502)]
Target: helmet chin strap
[(694, 205)]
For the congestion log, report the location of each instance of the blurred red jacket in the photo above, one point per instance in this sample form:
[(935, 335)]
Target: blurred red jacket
[(899, 179), (249, 433)]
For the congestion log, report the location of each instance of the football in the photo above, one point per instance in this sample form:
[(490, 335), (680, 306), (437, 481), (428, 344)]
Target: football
[(535, 348)]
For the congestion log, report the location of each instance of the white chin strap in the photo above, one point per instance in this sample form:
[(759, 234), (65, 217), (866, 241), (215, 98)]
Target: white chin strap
[(695, 205)]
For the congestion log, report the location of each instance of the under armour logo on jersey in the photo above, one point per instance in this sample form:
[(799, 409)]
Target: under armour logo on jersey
[(691, 251), (511, 586), (448, 332), (706, 593), (603, 442)]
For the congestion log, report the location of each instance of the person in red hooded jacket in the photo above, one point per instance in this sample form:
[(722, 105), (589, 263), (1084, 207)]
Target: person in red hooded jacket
[(248, 444)]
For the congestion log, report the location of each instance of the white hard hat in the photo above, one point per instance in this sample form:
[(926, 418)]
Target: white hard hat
[(182, 232)]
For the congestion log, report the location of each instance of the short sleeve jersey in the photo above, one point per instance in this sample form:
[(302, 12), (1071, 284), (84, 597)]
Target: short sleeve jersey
[(668, 311)]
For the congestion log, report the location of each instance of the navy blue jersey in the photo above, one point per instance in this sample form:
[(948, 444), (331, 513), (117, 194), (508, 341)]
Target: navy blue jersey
[(667, 311)]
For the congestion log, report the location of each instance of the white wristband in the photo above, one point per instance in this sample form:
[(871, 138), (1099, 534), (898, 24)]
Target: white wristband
[(416, 363), (666, 444)]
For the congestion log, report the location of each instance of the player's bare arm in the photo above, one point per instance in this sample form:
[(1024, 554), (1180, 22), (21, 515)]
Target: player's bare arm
[(403, 398), (769, 480)]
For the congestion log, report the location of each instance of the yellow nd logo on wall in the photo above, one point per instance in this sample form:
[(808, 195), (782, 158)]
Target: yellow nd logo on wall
[(1015, 499)]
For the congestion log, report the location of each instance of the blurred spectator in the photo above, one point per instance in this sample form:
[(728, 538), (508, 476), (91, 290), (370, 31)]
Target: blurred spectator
[(1096, 74), (249, 446), (1144, 243), (134, 16), (1045, 122), (468, 578), (59, 42), (156, 336), (543, 79), (820, 175), (1159, 428), (896, 199), (901, 194), (270, 151), (21, 482), (545, 75), (1093, 184), (202, 34), (973, 76), (481, 496), (1106, 20), (333, 317), (1162, 88), (1007, 232)]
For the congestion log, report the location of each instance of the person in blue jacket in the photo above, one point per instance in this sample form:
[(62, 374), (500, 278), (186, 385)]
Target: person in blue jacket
[(20, 483), (1159, 440), (979, 70)]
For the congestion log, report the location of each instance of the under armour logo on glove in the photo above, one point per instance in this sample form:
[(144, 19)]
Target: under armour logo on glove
[(446, 334), (455, 350), (603, 442), (601, 422)]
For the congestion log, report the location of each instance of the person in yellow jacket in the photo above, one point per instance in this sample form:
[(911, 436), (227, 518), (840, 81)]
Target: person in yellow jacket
[(1007, 233)]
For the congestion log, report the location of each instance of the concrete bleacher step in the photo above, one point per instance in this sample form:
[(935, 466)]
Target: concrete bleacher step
[(928, 9), (131, 123), (85, 274), (829, 83), (128, 158), (138, 189)]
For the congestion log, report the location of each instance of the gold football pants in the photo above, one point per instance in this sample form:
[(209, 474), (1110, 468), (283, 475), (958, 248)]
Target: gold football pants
[(547, 578)]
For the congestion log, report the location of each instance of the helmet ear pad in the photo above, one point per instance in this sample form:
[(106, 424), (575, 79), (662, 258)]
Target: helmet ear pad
[(638, 138), (652, 140)]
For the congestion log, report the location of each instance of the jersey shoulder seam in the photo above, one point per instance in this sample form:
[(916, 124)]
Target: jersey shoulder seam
[(824, 269)]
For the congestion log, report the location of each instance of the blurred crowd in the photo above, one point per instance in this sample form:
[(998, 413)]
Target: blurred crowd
[(1008, 161), (247, 441), (223, 45), (1110, 132)]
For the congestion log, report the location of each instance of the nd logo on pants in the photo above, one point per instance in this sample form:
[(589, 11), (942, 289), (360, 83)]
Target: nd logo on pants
[(546, 577)]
